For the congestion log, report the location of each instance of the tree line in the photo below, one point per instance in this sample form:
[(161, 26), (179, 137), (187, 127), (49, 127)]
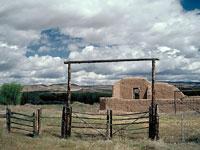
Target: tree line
[(10, 94)]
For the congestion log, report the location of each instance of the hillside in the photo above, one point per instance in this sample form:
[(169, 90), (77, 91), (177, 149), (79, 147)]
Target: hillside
[(63, 88)]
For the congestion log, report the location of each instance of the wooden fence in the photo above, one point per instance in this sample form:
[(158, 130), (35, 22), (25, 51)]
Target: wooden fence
[(23, 122), (106, 124), (109, 124)]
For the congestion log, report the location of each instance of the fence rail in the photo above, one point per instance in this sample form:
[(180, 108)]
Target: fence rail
[(109, 124), (21, 122)]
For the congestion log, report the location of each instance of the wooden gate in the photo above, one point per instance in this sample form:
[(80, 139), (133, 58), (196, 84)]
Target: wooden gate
[(90, 124), (20, 122), (130, 124)]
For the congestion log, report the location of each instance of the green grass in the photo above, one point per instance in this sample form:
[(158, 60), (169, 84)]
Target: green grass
[(170, 133)]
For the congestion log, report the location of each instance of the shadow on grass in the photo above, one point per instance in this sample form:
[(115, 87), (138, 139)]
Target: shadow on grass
[(21, 133), (195, 139)]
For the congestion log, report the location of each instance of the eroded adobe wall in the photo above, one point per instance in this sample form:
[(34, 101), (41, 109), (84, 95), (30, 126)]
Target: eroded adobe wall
[(128, 84), (141, 105), (116, 90), (166, 91), (124, 89)]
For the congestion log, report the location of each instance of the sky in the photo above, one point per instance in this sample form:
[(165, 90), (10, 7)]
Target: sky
[(36, 37)]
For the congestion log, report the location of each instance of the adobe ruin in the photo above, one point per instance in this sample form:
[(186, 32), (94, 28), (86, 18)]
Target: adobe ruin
[(133, 94)]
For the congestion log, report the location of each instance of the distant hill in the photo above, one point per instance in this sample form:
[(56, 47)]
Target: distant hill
[(63, 88)]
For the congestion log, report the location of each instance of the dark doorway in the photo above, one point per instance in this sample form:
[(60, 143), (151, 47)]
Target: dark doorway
[(136, 93)]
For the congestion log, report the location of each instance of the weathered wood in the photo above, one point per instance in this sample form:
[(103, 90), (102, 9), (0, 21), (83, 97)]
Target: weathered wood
[(182, 129), (63, 122), (22, 119), (107, 125), (153, 85), (49, 117), (95, 114), (89, 118), (136, 129), (70, 121), (21, 129), (67, 129), (22, 124), (131, 133), (34, 124), (39, 113), (110, 123), (69, 86), (175, 102), (142, 122), (96, 123), (150, 122), (157, 122), (8, 119), (142, 117), (111, 60), (22, 114), (131, 114), (86, 127)]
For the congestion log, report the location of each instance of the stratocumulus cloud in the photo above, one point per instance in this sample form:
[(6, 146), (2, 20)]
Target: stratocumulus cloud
[(37, 36)]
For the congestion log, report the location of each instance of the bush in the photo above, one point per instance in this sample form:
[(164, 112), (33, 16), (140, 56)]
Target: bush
[(61, 98), (10, 94)]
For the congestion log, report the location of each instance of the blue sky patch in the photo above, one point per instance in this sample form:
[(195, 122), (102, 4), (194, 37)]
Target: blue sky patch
[(190, 4), (52, 42)]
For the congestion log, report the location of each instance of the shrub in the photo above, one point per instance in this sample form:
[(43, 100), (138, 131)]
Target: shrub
[(10, 94)]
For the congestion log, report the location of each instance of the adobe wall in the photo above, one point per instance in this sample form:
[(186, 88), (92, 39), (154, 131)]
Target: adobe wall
[(128, 84), (140, 105), (116, 90), (124, 89)]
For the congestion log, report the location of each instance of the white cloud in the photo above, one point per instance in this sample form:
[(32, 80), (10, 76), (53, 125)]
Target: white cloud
[(43, 49), (120, 29)]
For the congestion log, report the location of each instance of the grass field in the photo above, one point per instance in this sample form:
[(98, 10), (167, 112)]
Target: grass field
[(170, 133)]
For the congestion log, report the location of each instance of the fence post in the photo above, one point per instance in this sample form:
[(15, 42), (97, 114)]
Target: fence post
[(34, 124), (67, 122), (110, 123), (39, 113), (182, 129), (150, 122), (63, 122), (8, 118), (107, 125), (70, 121), (157, 122), (175, 102)]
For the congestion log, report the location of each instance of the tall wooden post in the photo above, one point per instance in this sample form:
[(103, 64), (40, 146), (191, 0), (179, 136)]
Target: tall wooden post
[(110, 123), (63, 123), (69, 86), (150, 123), (107, 125), (157, 122), (153, 84)]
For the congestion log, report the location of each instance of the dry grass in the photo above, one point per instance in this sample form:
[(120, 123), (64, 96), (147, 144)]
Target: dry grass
[(50, 137)]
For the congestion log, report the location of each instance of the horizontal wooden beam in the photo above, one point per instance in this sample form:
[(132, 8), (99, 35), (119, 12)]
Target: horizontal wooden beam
[(109, 60)]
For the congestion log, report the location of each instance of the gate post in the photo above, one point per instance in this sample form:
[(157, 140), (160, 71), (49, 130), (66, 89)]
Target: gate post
[(63, 122), (68, 115), (110, 123), (157, 122), (107, 124), (150, 123)]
